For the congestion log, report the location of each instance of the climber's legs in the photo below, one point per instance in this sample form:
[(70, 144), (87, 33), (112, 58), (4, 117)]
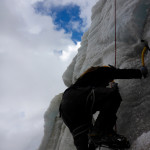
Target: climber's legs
[(107, 102)]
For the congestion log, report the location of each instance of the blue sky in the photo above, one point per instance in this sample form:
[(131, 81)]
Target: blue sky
[(65, 17)]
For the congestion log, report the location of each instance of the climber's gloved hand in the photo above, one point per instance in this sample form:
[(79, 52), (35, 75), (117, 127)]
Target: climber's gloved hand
[(144, 71), (114, 85)]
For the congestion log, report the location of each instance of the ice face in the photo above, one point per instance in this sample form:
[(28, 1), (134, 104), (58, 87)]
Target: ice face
[(98, 48)]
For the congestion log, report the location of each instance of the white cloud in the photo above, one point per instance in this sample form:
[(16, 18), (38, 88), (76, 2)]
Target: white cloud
[(30, 72), (85, 6), (75, 26), (71, 51)]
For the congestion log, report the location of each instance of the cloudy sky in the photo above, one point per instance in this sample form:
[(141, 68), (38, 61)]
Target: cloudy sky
[(38, 39)]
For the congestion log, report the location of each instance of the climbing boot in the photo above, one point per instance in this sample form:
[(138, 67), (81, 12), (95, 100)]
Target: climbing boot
[(111, 140)]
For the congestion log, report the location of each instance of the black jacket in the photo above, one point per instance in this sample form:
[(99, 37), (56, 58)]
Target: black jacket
[(103, 75)]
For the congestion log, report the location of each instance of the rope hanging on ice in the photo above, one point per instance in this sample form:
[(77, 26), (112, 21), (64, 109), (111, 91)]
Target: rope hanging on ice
[(115, 35)]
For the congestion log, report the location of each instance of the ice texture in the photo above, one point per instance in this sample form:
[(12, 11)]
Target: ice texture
[(98, 49)]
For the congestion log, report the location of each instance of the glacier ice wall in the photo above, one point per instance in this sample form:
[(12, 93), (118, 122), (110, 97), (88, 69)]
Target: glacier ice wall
[(50, 119), (98, 48)]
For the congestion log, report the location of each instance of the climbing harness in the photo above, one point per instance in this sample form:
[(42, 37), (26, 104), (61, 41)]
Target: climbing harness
[(146, 47)]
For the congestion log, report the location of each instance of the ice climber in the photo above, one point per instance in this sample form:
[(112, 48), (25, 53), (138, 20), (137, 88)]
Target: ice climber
[(90, 94)]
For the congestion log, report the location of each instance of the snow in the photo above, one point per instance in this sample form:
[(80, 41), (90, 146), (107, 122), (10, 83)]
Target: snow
[(98, 48), (143, 142)]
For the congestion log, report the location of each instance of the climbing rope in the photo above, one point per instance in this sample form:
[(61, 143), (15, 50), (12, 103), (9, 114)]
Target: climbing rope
[(143, 53), (115, 34), (115, 43)]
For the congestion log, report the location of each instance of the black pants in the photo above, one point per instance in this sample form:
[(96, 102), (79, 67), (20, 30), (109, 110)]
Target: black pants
[(79, 104)]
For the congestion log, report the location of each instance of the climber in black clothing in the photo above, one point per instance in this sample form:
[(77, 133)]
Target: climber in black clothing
[(90, 94)]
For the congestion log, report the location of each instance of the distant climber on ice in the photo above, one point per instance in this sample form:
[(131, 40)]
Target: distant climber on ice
[(90, 94)]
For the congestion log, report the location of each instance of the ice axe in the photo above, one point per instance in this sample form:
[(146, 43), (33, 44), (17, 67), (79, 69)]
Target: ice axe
[(146, 47)]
